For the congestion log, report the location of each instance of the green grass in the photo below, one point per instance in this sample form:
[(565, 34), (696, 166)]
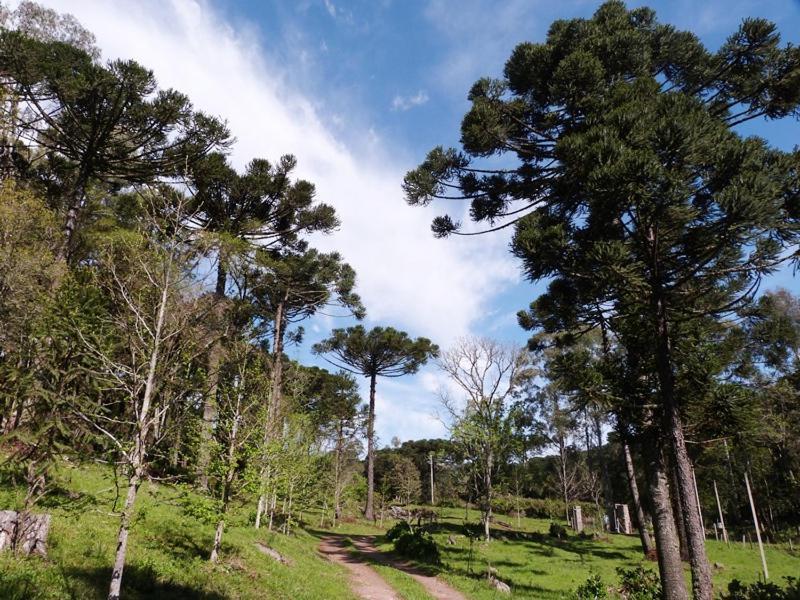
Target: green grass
[(168, 553), (538, 566)]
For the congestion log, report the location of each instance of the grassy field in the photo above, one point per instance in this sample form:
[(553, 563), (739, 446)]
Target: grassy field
[(168, 553), (168, 556), (539, 566)]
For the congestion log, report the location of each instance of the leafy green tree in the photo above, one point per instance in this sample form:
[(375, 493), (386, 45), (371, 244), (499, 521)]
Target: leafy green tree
[(623, 168), (404, 481), (379, 352), (262, 207), (488, 375), (333, 406), (147, 276), (99, 123), (238, 430)]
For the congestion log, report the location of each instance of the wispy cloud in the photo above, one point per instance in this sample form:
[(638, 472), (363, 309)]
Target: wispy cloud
[(330, 7), (407, 102), (407, 279)]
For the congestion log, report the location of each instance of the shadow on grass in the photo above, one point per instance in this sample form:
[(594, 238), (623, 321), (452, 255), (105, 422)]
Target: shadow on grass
[(138, 583)]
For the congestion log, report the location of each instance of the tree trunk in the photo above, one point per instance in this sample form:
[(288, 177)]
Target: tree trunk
[(137, 456), (647, 546), (487, 521), (230, 473), (670, 566), (76, 202), (210, 402), (122, 537), (673, 427), (369, 509), (677, 512), (608, 489), (275, 400), (337, 508)]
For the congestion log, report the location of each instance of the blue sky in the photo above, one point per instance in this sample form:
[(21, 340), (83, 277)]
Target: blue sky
[(360, 91)]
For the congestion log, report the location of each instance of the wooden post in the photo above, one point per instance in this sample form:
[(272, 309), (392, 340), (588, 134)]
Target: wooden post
[(758, 531), (721, 518), (697, 499)]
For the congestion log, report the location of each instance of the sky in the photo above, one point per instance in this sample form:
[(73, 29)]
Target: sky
[(359, 91)]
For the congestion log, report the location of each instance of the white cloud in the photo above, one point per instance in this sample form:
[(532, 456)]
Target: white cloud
[(407, 102), (407, 279), (330, 7)]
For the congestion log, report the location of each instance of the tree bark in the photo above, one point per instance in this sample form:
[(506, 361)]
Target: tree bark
[(76, 202), (670, 566), (487, 513), (369, 512), (137, 456), (275, 399), (647, 546), (337, 509), (122, 537), (673, 427), (210, 402)]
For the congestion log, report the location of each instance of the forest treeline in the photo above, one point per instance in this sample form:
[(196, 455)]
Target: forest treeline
[(149, 290)]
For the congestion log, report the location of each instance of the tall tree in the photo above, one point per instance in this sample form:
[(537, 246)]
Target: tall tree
[(629, 171), (147, 276), (264, 207), (98, 123), (379, 352)]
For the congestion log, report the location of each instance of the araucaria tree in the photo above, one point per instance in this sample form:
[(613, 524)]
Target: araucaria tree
[(379, 352), (629, 185), (488, 374)]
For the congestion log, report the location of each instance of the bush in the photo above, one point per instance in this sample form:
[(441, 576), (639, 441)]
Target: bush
[(398, 529), (763, 591), (639, 584), (557, 531), (592, 589), (419, 546)]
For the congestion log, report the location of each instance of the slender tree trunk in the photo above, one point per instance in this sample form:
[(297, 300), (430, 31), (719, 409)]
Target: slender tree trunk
[(369, 509), (76, 201), (677, 512), (210, 402), (122, 536), (275, 406), (647, 546), (230, 473), (670, 566), (608, 489), (139, 452), (337, 508), (673, 426), (487, 522)]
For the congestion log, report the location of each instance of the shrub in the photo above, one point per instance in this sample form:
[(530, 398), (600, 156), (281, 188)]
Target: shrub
[(397, 530), (557, 531), (592, 589), (639, 584), (763, 591), (417, 545)]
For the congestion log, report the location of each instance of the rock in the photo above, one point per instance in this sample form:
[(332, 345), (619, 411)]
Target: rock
[(451, 540), (27, 533), (8, 528), (32, 534), (500, 586), (719, 566), (272, 553)]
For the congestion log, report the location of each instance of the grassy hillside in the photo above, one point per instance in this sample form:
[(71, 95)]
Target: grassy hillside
[(168, 556)]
